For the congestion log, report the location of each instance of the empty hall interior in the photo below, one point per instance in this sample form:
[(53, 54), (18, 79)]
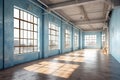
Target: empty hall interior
[(59, 39)]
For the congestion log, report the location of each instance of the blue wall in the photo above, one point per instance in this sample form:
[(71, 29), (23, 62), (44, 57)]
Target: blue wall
[(50, 18), (64, 26), (76, 31), (11, 59), (114, 28), (99, 42), (1, 34)]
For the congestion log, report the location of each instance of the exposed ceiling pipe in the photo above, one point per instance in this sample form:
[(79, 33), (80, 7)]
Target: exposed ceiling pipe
[(43, 3), (57, 13)]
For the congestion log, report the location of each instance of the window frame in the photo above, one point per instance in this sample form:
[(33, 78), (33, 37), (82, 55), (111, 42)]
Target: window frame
[(67, 38), (76, 40), (53, 36), (90, 40), (103, 39), (28, 30)]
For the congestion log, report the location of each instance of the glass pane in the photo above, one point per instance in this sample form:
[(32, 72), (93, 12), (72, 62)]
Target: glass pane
[(25, 49), (21, 24), (35, 20), (30, 43), (16, 50), (21, 49), (52, 32), (25, 34), (35, 35), (25, 25), (25, 15), (30, 49), (16, 33), (21, 15), (16, 13), (16, 42), (35, 28), (28, 34), (25, 43), (29, 26), (35, 43), (31, 35), (49, 37), (29, 17), (22, 33), (22, 42), (16, 23), (35, 48)]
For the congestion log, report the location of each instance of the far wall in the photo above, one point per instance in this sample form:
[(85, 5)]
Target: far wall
[(99, 40)]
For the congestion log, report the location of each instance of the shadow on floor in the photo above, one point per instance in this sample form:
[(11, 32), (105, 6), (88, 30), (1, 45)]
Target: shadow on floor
[(79, 65)]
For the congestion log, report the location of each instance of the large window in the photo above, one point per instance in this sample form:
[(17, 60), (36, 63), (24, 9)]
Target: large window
[(90, 40), (53, 36), (103, 39), (76, 40), (67, 38), (25, 32)]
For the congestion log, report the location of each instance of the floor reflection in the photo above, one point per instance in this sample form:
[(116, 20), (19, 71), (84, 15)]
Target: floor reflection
[(88, 64)]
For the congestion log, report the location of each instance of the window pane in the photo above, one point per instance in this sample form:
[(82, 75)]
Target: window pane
[(31, 35), (31, 27), (16, 50), (35, 35), (35, 20), (16, 13), (91, 40), (30, 43), (21, 24), (25, 34), (31, 18), (21, 33), (16, 42), (16, 23), (35, 43), (25, 16), (25, 25), (27, 39), (35, 27), (53, 37), (25, 42), (16, 33), (28, 34), (21, 49), (22, 42), (21, 14), (35, 48)]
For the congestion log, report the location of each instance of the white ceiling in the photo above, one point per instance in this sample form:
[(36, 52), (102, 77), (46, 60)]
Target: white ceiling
[(86, 13)]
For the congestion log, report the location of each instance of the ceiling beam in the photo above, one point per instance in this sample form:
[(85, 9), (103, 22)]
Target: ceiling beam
[(72, 3), (61, 12), (90, 22), (85, 14), (105, 8)]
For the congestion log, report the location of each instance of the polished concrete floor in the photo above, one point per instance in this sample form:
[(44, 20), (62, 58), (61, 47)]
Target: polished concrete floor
[(79, 65)]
